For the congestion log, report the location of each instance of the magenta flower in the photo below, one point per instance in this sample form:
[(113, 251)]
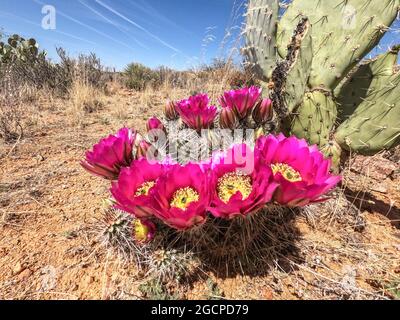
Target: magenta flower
[(196, 112), (181, 196), (241, 100), (133, 189), (111, 154), (301, 170), (240, 186)]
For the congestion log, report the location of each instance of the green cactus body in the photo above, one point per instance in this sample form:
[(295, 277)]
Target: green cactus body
[(18, 49), (344, 31), (290, 76), (367, 78), (315, 118), (261, 27), (333, 151), (312, 86), (375, 125)]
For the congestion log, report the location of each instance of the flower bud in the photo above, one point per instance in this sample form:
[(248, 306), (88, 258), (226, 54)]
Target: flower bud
[(142, 149), (228, 118), (154, 123), (170, 111), (143, 230), (259, 133), (263, 111)]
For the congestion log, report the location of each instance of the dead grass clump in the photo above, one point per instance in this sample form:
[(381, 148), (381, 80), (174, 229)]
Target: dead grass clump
[(10, 121), (83, 98), (111, 88)]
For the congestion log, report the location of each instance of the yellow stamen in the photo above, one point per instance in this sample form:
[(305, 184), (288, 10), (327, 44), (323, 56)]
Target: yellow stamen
[(232, 182), (144, 189), (183, 197), (287, 172), (141, 230)]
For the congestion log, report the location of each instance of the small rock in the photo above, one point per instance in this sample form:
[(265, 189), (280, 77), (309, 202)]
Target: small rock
[(74, 287), (114, 278), (39, 157), (381, 187), (89, 280), (376, 167), (18, 268), (268, 295), (25, 274)]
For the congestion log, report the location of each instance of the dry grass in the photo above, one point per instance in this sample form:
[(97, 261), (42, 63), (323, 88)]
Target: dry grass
[(83, 99)]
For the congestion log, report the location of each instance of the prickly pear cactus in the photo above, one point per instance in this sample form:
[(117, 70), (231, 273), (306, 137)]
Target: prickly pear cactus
[(261, 27), (375, 125), (315, 118), (17, 48), (368, 77), (300, 55), (291, 75), (322, 90), (345, 31)]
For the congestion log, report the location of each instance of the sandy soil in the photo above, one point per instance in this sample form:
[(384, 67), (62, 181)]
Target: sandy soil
[(47, 202)]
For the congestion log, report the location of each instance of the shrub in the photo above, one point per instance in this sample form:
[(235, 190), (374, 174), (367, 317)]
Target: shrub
[(24, 69), (138, 76)]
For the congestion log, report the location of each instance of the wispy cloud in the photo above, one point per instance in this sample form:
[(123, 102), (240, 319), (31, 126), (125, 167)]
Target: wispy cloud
[(113, 24), (40, 26), (88, 27), (137, 26), (149, 10)]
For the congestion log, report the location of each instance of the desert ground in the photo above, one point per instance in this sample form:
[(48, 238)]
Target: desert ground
[(48, 203)]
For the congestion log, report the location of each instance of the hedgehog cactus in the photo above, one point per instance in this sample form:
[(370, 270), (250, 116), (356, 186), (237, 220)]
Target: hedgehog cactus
[(320, 87), (219, 198)]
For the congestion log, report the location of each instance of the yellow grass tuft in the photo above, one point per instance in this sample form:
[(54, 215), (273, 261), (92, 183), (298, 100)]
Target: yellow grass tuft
[(83, 99)]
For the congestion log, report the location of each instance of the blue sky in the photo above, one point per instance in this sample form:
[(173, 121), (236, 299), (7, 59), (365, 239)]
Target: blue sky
[(177, 33)]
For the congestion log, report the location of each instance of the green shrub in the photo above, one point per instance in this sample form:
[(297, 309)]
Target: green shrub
[(138, 76)]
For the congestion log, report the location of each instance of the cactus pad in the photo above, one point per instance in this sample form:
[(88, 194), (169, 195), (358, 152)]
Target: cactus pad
[(375, 125), (291, 76), (364, 81), (315, 118), (261, 27), (333, 151), (344, 31)]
